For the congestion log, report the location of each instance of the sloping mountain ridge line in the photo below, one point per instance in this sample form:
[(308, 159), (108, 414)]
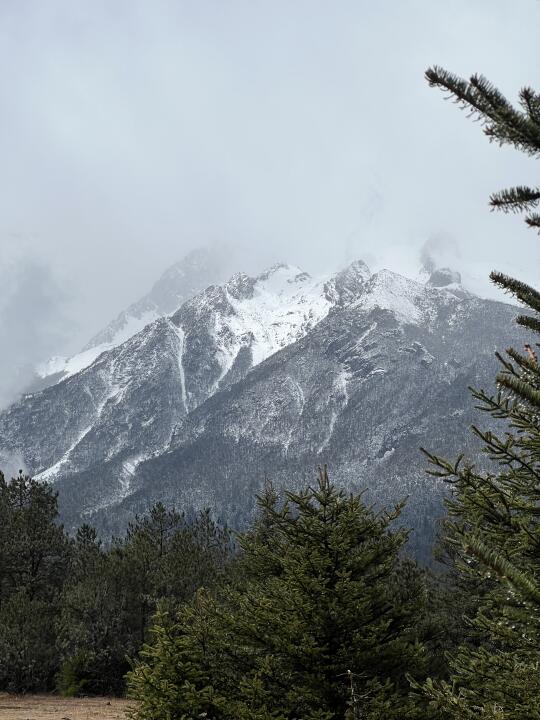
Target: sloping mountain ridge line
[(212, 340), (267, 376), (200, 268)]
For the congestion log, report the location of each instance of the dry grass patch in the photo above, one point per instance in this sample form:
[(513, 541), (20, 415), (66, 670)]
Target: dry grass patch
[(53, 707)]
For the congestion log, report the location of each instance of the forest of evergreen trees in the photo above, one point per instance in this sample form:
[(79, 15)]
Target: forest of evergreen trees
[(73, 611), (316, 612), (314, 606)]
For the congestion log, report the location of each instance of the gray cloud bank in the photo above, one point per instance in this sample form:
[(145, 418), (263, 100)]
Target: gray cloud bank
[(32, 307), (132, 131)]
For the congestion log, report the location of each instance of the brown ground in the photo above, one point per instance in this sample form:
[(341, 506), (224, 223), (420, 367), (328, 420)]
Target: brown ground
[(53, 707)]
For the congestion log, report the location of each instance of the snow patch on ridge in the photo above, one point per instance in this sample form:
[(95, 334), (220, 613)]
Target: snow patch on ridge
[(364, 335), (300, 398), (390, 291), (128, 471), (51, 472), (181, 335), (285, 304), (69, 366), (341, 395)]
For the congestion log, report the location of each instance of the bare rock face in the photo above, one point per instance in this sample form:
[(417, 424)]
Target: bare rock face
[(269, 376)]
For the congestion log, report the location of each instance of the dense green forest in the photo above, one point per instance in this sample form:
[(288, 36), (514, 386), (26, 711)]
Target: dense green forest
[(73, 611), (315, 605), (315, 612)]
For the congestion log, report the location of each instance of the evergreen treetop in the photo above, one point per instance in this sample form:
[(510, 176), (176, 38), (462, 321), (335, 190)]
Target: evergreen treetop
[(493, 520), (502, 123), (322, 624)]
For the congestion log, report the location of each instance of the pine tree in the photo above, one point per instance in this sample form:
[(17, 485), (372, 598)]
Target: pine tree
[(111, 594), (94, 630), (166, 557), (323, 624), (494, 516), (34, 556), (172, 676)]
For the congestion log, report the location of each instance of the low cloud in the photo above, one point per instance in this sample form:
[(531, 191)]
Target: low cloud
[(11, 464), (133, 132), (34, 323), (439, 250)]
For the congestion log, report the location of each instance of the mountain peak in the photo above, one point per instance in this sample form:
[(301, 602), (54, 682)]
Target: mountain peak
[(199, 269), (240, 286), (348, 284), (282, 274), (389, 290), (442, 277)]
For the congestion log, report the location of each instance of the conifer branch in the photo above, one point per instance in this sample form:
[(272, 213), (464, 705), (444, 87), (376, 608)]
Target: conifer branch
[(503, 568), (530, 102), (502, 122), (521, 389), (516, 199), (533, 220), (523, 292), (529, 322)]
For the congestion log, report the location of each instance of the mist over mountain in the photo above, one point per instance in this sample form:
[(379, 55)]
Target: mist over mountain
[(197, 270), (33, 323), (136, 133)]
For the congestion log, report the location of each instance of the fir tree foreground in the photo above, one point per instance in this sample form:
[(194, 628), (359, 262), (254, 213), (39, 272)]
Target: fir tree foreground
[(493, 528), (324, 623)]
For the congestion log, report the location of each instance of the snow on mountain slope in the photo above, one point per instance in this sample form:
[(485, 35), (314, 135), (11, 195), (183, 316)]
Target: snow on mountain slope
[(362, 391), (66, 367), (92, 431), (125, 404), (283, 305), (410, 300), (199, 269), (259, 315), (230, 328)]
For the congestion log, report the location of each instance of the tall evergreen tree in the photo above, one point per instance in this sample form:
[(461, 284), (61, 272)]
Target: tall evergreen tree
[(166, 557), (34, 555), (494, 516), (94, 633), (322, 626), (110, 595)]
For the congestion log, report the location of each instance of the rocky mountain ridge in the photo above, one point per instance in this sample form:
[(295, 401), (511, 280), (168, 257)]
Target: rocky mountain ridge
[(127, 401), (196, 271), (267, 376)]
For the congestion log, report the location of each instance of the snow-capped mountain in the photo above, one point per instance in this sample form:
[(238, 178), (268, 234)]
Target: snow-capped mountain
[(265, 377), (197, 270), (124, 406), (228, 329)]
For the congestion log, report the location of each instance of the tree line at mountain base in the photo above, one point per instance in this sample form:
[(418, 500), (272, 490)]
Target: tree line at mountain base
[(315, 612), (72, 610), (314, 607)]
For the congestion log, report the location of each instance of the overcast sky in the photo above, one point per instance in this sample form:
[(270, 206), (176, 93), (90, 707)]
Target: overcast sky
[(134, 130)]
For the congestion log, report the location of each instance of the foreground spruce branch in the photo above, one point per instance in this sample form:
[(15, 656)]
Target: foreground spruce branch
[(493, 529)]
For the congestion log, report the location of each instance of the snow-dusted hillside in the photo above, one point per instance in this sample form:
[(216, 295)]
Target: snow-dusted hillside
[(259, 376), (199, 269), (123, 406), (233, 327)]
